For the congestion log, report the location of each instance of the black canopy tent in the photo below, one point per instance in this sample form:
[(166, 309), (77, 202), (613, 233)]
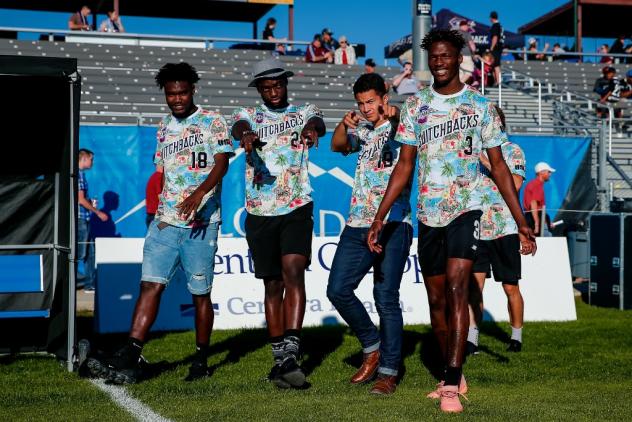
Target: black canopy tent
[(38, 191), (447, 19)]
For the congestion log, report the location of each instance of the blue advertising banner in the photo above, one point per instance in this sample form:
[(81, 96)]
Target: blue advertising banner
[(123, 164)]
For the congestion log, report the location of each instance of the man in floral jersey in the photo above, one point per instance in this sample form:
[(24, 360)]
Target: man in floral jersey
[(193, 148), (276, 137), (498, 248), (374, 141), (447, 125)]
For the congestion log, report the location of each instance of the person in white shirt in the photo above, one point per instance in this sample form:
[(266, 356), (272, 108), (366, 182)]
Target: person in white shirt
[(112, 23), (345, 54)]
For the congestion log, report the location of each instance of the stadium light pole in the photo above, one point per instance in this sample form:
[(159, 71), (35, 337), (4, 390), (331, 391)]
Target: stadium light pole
[(422, 23)]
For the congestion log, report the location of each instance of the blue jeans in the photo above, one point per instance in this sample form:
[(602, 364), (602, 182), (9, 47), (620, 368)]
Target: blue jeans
[(352, 262), (192, 249), (82, 238), (85, 252)]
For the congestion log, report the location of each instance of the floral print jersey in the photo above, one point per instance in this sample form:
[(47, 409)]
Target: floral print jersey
[(497, 220), (186, 149), (378, 152), (277, 179), (449, 131)]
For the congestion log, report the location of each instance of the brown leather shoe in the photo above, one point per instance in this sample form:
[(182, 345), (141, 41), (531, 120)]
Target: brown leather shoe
[(384, 385), (368, 369)]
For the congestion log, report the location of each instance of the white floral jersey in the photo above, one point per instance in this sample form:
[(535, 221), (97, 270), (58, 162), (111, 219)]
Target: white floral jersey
[(497, 220), (378, 152), (449, 131), (186, 149), (277, 180)]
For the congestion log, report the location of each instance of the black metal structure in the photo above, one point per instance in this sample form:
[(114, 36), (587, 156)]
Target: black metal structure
[(38, 197)]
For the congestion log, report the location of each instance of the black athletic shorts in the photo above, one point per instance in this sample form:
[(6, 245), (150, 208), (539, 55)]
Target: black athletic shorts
[(497, 53), (503, 256), (459, 239), (270, 238)]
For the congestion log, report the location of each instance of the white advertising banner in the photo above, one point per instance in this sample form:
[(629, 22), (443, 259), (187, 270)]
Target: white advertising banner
[(238, 297)]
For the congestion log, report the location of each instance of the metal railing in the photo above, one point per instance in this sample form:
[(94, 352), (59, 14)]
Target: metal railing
[(566, 54), (145, 39)]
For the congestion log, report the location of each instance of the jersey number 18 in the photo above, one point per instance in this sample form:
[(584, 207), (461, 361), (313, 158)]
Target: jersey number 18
[(198, 160)]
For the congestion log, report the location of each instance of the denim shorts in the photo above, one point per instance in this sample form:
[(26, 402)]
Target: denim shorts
[(171, 247)]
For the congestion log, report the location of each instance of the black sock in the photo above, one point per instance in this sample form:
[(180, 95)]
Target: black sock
[(277, 344), (135, 348), (292, 340), (201, 352), (201, 349), (453, 375)]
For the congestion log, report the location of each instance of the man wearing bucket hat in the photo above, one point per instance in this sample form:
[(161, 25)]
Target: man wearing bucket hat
[(276, 137), (533, 199)]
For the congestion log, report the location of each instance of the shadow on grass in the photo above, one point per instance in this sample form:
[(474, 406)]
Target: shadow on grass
[(318, 343), (430, 354), (492, 329), (237, 346)]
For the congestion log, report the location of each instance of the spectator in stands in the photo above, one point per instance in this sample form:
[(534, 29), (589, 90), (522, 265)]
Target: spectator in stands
[(488, 70), (533, 200), (532, 50), (558, 51), (86, 206), (152, 195), (497, 41), (626, 92), (316, 53), (469, 49), (603, 49), (328, 41), (609, 89), (345, 54), (369, 66), (79, 20), (268, 34), (112, 23), (618, 46), (406, 83)]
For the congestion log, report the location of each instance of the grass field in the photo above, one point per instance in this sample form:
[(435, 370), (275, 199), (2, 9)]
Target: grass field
[(579, 370)]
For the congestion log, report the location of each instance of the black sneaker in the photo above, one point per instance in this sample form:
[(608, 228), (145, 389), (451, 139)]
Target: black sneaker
[(118, 369), (471, 349), (197, 370), (514, 346), (275, 377), (292, 373)]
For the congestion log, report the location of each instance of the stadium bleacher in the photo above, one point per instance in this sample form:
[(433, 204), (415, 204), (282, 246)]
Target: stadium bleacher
[(573, 83), (118, 87)]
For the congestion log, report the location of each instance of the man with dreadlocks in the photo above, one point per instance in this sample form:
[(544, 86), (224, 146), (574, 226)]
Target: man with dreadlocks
[(193, 148), (447, 125)]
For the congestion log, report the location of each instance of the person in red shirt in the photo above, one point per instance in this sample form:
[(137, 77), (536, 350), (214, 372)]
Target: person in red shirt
[(533, 199), (316, 53), (152, 192)]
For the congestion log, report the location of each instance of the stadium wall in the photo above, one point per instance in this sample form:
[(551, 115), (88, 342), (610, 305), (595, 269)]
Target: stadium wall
[(123, 163)]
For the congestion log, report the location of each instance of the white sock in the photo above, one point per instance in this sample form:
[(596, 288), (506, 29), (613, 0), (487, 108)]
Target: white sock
[(472, 335), (516, 334)]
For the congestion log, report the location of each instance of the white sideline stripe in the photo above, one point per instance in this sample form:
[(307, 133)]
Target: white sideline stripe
[(137, 409)]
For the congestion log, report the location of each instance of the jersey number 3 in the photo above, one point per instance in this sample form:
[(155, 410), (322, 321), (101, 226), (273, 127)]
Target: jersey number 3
[(468, 148), (199, 160)]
